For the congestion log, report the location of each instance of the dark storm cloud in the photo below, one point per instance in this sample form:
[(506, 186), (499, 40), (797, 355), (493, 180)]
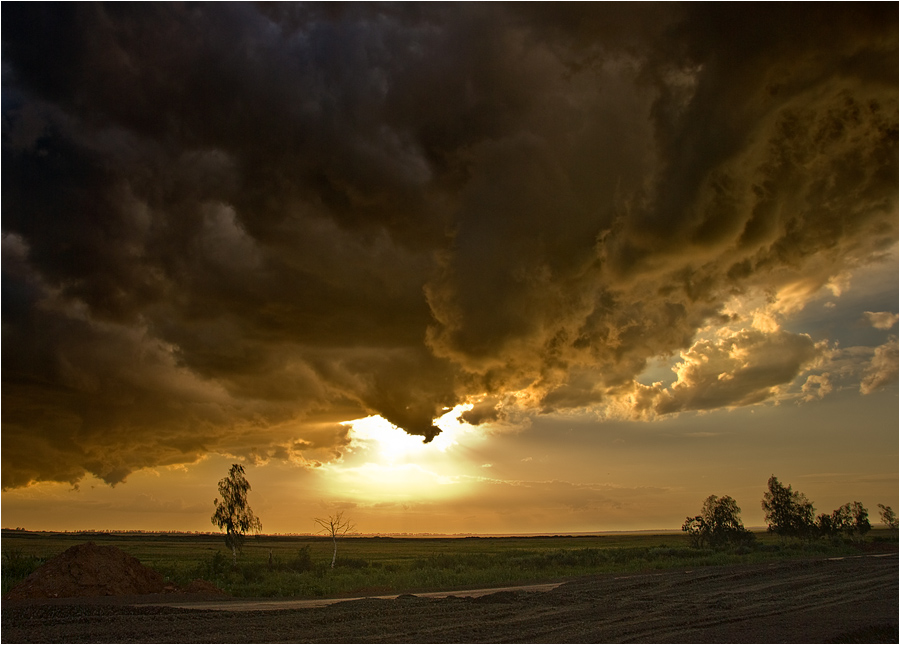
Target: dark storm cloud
[(229, 227)]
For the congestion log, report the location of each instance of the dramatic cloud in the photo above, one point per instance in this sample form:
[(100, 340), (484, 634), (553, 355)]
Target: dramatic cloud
[(881, 319), (739, 370), (883, 368), (230, 228)]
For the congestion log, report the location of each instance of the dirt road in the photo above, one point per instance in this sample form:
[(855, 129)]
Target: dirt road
[(275, 604), (825, 600)]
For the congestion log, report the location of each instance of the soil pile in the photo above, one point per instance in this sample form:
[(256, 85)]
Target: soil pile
[(89, 570)]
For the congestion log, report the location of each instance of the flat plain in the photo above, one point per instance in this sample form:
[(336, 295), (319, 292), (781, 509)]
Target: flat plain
[(299, 566)]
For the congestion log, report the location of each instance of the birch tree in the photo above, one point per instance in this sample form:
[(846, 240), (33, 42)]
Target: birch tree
[(233, 513), (335, 526)]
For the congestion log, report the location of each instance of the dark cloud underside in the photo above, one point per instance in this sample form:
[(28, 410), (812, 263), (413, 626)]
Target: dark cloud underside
[(229, 227)]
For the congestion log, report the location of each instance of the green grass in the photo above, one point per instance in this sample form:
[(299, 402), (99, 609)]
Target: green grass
[(285, 566)]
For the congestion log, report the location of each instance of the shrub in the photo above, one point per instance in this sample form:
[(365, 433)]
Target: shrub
[(213, 567), (302, 561), (351, 563)]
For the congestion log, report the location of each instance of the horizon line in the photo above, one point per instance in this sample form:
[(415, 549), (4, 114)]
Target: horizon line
[(374, 534)]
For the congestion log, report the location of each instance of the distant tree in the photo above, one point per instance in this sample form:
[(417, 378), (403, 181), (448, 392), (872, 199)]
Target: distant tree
[(788, 512), (859, 516), (697, 531), (888, 516), (825, 525), (842, 519), (719, 523), (335, 526), (233, 513), (852, 520)]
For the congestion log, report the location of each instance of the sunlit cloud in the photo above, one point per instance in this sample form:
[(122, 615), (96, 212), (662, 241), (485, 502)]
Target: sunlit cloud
[(736, 369), (883, 368), (382, 462), (377, 435), (816, 386), (881, 319)]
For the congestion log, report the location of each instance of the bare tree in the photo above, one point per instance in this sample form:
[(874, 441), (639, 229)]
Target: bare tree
[(335, 526)]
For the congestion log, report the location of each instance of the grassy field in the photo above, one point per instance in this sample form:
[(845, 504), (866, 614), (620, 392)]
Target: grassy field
[(300, 566)]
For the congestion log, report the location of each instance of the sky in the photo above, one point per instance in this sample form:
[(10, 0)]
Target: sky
[(447, 268)]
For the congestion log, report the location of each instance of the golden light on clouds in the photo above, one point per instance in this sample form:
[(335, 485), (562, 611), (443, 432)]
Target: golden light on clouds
[(636, 218), (384, 463)]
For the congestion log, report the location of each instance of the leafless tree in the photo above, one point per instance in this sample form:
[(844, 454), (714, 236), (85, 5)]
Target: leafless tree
[(335, 526)]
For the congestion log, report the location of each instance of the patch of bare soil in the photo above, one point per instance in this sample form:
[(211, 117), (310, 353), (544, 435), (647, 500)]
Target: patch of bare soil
[(89, 570), (846, 600)]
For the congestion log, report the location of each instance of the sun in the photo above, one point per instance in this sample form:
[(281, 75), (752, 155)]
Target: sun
[(376, 435), (393, 444), (385, 463)]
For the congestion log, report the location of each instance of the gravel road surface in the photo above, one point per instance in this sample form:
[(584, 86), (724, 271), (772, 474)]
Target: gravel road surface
[(852, 599)]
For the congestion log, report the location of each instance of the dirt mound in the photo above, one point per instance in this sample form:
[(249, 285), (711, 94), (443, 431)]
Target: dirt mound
[(89, 570)]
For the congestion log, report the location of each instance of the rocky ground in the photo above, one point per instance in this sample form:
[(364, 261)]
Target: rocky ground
[(818, 600)]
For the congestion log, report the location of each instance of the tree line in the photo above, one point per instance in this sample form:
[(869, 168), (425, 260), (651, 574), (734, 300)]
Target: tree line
[(788, 513)]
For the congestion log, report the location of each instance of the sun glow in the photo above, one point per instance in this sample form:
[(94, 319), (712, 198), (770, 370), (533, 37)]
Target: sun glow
[(385, 463), (371, 482), (392, 444)]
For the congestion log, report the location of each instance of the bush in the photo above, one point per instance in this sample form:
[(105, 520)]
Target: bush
[(351, 563), (302, 561), (251, 571), (214, 566)]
